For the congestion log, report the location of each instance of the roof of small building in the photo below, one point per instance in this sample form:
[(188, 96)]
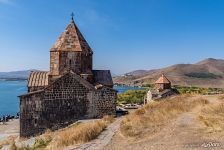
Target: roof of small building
[(103, 77), (163, 80), (71, 40), (38, 79)]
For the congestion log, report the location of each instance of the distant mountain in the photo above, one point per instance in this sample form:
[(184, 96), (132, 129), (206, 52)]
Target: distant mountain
[(137, 72), (113, 74), (15, 74), (206, 73)]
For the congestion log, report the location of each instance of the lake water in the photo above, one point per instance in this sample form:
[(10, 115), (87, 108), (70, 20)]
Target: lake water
[(9, 90)]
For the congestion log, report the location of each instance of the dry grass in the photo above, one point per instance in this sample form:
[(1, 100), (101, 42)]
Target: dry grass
[(213, 118), (7, 141), (151, 117), (74, 134), (79, 133), (40, 143), (221, 97)]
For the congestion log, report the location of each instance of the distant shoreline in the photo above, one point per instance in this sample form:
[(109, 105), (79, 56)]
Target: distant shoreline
[(13, 79)]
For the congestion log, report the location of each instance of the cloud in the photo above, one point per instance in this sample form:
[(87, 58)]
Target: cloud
[(5, 1), (94, 17)]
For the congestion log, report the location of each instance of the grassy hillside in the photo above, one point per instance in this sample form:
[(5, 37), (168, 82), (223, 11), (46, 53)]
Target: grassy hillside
[(156, 114)]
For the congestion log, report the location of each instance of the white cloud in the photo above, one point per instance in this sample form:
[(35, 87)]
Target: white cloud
[(95, 18), (5, 1)]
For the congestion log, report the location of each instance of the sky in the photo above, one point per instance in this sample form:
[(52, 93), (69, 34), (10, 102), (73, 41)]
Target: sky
[(125, 35)]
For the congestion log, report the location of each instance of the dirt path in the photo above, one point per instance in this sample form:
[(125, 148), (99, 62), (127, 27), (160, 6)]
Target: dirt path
[(11, 128), (182, 133), (104, 138)]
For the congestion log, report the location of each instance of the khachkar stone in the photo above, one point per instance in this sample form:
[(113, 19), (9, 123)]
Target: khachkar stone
[(71, 90)]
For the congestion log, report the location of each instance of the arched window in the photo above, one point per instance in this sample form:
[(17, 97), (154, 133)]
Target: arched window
[(70, 63)]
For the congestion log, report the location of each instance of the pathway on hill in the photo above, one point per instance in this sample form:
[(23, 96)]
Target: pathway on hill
[(102, 140), (183, 133)]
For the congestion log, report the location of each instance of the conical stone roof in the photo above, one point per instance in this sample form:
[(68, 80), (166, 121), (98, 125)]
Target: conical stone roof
[(163, 80), (72, 40)]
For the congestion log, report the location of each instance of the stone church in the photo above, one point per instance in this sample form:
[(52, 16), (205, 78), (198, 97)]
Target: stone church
[(71, 90), (162, 89)]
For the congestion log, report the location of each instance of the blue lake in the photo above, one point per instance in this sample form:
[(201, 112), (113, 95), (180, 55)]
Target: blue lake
[(9, 91), (122, 89)]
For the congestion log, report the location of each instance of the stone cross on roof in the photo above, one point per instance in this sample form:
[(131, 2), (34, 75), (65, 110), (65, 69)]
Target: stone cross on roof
[(72, 15), (72, 40)]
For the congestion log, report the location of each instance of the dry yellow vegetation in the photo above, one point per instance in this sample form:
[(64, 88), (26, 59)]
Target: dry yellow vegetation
[(154, 115), (213, 117), (74, 134), (7, 141), (79, 133)]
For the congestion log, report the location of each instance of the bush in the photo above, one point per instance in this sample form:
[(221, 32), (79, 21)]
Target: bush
[(203, 75), (132, 96), (198, 90)]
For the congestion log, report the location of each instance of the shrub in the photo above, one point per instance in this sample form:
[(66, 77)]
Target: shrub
[(203, 75), (198, 90), (132, 96)]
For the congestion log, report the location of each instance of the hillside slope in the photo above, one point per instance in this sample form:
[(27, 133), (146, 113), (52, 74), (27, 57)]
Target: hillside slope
[(206, 73), (197, 124)]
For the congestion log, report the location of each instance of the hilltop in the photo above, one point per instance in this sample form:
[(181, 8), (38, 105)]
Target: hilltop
[(206, 73)]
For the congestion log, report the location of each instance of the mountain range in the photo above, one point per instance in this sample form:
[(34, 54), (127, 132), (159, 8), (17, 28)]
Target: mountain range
[(206, 73), (15, 75)]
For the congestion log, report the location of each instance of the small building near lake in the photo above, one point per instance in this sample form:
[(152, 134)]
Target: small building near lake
[(70, 91), (162, 89), (162, 83)]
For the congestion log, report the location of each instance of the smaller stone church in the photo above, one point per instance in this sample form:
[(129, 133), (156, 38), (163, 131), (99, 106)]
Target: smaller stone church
[(71, 90), (162, 89)]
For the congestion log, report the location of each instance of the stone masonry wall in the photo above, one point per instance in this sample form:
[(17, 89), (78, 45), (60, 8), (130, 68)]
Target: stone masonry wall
[(105, 102), (62, 103), (70, 61), (30, 110), (54, 63), (57, 106)]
